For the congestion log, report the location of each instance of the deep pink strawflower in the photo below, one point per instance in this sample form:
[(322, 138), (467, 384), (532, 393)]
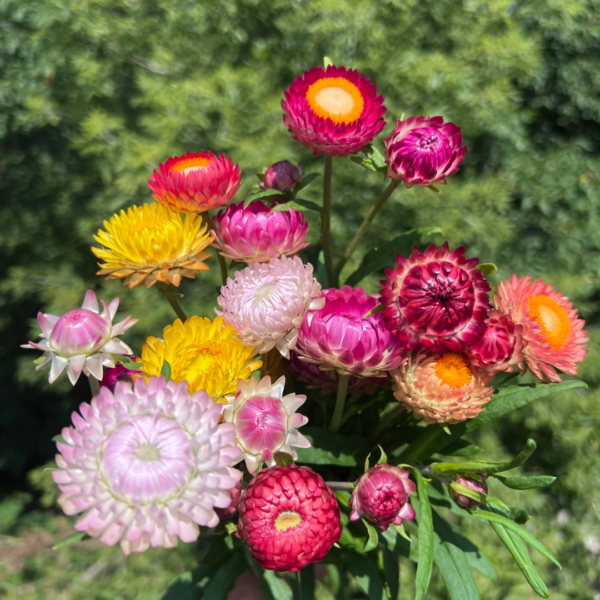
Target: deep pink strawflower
[(335, 111), (289, 518), (341, 337), (435, 299), (282, 176), (423, 151), (258, 233), (472, 484), (381, 496), (118, 373)]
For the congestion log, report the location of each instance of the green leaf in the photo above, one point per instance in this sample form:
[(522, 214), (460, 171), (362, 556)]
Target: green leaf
[(299, 204), (461, 448), (373, 537), (384, 255), (478, 496), (425, 521), (373, 161), (261, 194), (127, 362), (283, 459), (383, 458), (487, 268), (166, 370), (526, 483), (327, 62), (391, 568), (366, 575), (320, 272), (72, 539), (396, 543), (222, 582), (277, 586), (306, 181), (59, 438), (330, 448)]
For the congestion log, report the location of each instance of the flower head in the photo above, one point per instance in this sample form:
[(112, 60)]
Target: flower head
[(151, 244), (472, 484), (146, 465), (381, 496), (258, 233), (282, 176), (551, 328), (194, 183), (422, 151), (442, 389), (118, 373), (81, 340), (265, 421), (266, 302), (436, 299), (289, 518), (335, 110), (340, 336), (205, 353)]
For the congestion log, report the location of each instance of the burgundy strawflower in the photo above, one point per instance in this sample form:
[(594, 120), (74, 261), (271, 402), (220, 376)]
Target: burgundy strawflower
[(282, 176), (118, 373), (472, 484), (436, 299), (381, 496), (289, 518)]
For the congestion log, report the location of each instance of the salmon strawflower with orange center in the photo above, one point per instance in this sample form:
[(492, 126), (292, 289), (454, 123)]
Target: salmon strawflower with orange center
[(554, 334)]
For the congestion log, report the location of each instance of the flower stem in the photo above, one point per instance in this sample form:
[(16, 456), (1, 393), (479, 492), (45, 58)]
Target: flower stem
[(326, 222), (338, 411), (386, 422), (342, 486), (166, 289), (94, 385), (223, 265), (365, 225)]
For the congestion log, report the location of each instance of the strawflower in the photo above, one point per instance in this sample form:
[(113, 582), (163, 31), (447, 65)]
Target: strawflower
[(118, 373)]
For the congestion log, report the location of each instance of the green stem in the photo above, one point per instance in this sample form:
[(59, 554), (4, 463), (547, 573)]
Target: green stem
[(94, 385), (223, 265), (166, 289), (326, 223), (365, 225), (386, 422), (338, 411)]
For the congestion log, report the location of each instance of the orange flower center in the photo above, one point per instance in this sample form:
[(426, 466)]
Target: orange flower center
[(335, 98), (552, 318), (453, 369), (287, 520), (188, 165)]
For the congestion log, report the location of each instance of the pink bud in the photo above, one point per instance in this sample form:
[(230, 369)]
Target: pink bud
[(79, 332), (261, 424), (473, 484), (381, 496), (225, 514), (282, 176)]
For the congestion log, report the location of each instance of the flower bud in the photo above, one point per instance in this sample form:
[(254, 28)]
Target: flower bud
[(381, 496), (471, 483), (79, 332), (118, 373), (282, 176)]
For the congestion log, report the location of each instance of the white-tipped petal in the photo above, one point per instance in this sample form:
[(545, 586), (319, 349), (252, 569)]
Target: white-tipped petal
[(58, 366), (94, 366), (90, 302)]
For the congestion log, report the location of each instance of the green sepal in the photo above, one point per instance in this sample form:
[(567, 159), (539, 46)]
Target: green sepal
[(401, 531), (166, 370), (283, 459), (487, 268), (383, 458), (373, 537), (327, 62)]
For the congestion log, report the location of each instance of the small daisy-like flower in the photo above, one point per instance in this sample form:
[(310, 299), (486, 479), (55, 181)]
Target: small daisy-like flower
[(266, 302), (82, 340), (195, 183), (205, 353), (435, 299), (265, 421), (146, 465), (554, 334), (335, 111), (152, 243), (442, 389)]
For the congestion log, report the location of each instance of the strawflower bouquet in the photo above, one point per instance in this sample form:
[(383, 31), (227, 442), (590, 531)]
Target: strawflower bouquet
[(306, 421)]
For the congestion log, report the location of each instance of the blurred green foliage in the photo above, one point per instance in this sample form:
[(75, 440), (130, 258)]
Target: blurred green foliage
[(93, 94)]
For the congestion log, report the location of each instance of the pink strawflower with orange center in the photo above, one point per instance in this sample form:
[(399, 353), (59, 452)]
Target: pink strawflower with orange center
[(195, 182), (554, 334), (442, 389), (423, 151), (335, 111), (435, 299), (257, 233), (289, 518)]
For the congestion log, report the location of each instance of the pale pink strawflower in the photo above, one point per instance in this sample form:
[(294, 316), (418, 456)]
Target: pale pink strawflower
[(381, 495), (423, 151), (341, 336), (82, 340), (282, 176), (225, 514), (435, 299), (551, 328), (258, 233), (265, 421), (266, 302), (442, 389), (146, 465), (472, 484)]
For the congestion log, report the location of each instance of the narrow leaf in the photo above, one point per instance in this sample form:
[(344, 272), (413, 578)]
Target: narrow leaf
[(526, 483), (166, 370), (72, 539), (487, 268), (455, 571), (306, 181), (366, 575), (373, 537), (308, 205), (425, 522), (391, 568), (222, 582), (278, 587), (261, 194), (330, 448)]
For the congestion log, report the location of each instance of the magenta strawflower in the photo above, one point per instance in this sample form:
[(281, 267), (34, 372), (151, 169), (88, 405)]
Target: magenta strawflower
[(265, 421), (195, 182), (422, 151), (258, 233), (266, 302), (82, 340), (335, 111), (472, 484), (289, 518), (118, 373), (340, 336), (282, 176), (436, 299), (381, 495), (146, 465)]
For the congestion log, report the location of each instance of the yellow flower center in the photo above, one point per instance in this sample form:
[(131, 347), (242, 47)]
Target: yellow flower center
[(188, 165), (287, 520), (453, 369), (552, 318), (195, 363), (335, 98)]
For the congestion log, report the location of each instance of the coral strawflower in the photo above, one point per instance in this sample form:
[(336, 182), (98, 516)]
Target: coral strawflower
[(442, 389), (554, 334), (195, 182), (152, 243), (436, 299), (207, 354), (335, 111), (146, 465)]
